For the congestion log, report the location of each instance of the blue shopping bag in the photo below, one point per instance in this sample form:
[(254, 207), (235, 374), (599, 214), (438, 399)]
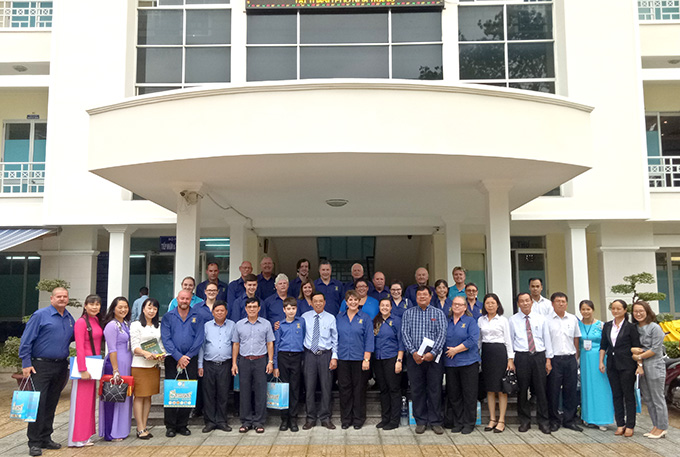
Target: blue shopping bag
[(237, 384), (25, 403), (179, 393), (411, 419), (638, 402), (479, 414), (277, 395)]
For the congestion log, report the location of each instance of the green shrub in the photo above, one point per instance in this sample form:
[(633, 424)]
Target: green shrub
[(672, 349)]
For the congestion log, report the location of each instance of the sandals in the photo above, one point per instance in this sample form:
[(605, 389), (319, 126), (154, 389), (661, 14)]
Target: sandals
[(243, 429), (259, 429), (497, 430), (141, 436), (489, 428)]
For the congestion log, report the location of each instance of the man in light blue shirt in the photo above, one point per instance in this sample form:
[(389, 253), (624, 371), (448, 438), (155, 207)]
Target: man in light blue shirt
[(321, 357), (137, 304), (214, 366), (253, 360)]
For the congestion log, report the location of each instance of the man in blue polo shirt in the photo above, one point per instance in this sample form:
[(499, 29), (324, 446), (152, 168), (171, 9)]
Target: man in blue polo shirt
[(273, 306), (213, 272), (44, 357), (236, 288), (332, 289), (422, 277), (265, 280), (302, 268), (182, 332)]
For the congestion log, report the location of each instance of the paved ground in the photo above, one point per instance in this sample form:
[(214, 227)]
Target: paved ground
[(369, 441)]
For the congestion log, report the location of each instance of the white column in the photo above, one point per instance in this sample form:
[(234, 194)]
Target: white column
[(119, 261), (237, 245), (188, 235), (498, 238), (577, 263), (453, 247)]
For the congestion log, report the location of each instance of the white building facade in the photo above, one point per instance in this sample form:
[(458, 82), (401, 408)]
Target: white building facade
[(516, 138)]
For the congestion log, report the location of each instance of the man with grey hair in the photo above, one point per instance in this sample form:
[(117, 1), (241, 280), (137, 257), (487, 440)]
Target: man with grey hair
[(273, 306), (266, 284)]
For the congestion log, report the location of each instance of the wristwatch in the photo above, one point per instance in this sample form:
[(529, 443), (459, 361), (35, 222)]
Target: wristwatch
[(271, 361), (399, 360), (367, 360)]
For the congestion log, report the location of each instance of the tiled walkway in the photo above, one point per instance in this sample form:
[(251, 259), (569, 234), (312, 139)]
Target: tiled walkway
[(368, 441)]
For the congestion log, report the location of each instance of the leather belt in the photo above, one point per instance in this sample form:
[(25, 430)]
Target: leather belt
[(253, 357), (43, 359)]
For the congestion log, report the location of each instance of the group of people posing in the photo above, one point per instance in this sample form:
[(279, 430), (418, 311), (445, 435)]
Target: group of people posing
[(306, 332)]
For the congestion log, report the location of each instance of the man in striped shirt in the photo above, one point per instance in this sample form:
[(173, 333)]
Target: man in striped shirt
[(424, 370)]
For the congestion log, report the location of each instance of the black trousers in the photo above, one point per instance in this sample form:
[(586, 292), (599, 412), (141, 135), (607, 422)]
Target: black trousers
[(216, 385), (178, 418), (426, 391), (530, 370), (290, 368), (562, 381), (316, 369), (623, 394), (49, 379), (352, 382), (253, 383), (462, 384), (390, 390)]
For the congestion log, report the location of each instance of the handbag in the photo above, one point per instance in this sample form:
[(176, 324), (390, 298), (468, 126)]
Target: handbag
[(180, 393), (114, 391), (25, 402), (277, 394), (509, 383)]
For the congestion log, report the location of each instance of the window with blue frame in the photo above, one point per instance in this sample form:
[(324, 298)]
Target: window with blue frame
[(23, 156), (26, 14)]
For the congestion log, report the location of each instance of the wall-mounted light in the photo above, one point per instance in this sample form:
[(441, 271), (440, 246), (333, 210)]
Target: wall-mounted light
[(336, 202)]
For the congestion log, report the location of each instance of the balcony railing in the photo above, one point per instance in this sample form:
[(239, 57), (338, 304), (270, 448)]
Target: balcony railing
[(20, 15), (664, 172), (22, 177), (659, 10)]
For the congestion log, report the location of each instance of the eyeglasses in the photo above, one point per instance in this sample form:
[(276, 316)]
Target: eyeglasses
[(395, 290), (211, 290)]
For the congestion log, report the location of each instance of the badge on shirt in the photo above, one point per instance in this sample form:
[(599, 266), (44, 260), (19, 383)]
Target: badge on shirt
[(336, 288), (462, 326), (587, 345), (433, 319), (361, 321), (298, 325), (389, 323), (193, 320)]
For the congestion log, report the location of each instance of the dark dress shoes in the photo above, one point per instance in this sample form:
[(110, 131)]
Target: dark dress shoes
[(545, 429), (294, 427), (308, 425), (34, 450), (51, 445), (573, 427), (209, 428), (170, 433), (524, 427), (329, 425), (184, 431)]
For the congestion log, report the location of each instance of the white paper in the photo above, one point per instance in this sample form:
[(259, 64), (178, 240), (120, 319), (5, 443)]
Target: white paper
[(426, 342), (94, 364)]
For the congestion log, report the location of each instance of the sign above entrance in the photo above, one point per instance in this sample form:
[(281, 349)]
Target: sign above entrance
[(168, 243), (316, 4)]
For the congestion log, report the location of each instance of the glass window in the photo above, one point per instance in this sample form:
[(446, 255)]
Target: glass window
[(207, 65), (417, 62), (180, 46), (416, 27), (343, 28), (271, 63), (482, 23), (531, 61), (160, 27), (482, 61), (19, 274), (272, 29), (529, 22), (159, 65), (344, 62), (510, 43), (345, 45), (209, 27)]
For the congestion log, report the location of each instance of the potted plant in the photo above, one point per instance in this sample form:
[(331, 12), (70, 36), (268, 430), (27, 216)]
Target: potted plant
[(9, 357)]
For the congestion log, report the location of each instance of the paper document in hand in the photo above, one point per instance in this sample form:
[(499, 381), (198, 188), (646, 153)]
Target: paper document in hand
[(425, 346), (94, 365)]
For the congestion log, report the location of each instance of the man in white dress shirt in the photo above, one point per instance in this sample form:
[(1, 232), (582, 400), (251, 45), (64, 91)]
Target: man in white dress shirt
[(540, 303), (533, 353), (564, 335)]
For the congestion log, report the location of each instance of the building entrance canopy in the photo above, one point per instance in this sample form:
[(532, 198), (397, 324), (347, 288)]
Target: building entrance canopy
[(403, 155)]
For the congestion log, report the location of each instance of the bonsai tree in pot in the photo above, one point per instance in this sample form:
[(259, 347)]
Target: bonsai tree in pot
[(9, 357)]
